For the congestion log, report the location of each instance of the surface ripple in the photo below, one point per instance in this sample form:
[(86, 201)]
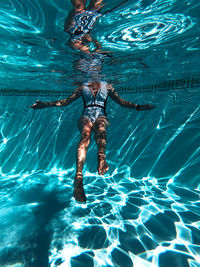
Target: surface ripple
[(152, 30), (33, 42), (145, 210)]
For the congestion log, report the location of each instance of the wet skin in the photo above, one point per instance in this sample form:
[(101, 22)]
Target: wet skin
[(99, 128)]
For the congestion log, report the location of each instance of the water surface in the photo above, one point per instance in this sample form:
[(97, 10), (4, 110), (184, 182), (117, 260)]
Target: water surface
[(145, 210)]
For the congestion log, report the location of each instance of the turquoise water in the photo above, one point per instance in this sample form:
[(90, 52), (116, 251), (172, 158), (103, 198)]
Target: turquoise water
[(145, 210)]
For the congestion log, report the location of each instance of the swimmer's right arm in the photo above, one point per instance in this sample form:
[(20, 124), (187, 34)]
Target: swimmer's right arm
[(113, 94), (58, 103)]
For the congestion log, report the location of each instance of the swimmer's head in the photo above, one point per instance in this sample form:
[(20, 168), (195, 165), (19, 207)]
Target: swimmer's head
[(79, 5)]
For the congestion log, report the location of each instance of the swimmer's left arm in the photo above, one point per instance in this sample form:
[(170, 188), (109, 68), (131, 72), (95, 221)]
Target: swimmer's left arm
[(113, 94), (58, 103)]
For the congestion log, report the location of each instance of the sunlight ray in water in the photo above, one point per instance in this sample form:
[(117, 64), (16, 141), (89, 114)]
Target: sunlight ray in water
[(145, 211)]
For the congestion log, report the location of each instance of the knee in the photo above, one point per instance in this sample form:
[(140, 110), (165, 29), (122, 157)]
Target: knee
[(84, 143), (85, 140)]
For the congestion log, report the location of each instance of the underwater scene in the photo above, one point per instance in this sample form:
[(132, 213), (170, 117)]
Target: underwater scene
[(130, 70)]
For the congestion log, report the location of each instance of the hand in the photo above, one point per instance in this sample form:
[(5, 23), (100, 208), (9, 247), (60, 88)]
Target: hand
[(98, 5), (38, 104), (144, 107)]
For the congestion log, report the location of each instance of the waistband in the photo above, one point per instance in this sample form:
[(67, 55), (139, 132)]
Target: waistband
[(94, 105)]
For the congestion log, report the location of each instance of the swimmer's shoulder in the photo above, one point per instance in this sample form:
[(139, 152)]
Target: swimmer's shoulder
[(80, 89)]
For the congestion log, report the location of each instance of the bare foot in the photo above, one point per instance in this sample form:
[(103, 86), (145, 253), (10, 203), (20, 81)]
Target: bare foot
[(102, 164), (79, 193)]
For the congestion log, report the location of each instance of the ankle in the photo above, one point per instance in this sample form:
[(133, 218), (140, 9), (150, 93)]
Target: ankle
[(79, 176), (101, 155)]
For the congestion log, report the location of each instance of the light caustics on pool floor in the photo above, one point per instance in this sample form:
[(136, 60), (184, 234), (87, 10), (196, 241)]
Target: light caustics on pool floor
[(145, 210)]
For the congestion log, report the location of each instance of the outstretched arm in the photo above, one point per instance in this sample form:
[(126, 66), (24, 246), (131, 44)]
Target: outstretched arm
[(58, 103), (112, 93)]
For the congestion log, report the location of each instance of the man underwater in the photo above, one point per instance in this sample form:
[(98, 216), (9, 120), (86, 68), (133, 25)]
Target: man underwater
[(94, 94)]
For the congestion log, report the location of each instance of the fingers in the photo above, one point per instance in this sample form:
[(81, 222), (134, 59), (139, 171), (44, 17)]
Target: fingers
[(38, 104), (149, 106), (152, 106), (34, 106), (144, 107)]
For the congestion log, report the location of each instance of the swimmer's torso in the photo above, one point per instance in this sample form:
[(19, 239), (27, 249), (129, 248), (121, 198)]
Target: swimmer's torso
[(94, 100), (83, 22)]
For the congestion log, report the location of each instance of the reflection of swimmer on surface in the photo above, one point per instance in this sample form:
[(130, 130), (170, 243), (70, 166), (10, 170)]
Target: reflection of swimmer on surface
[(94, 94), (80, 22), (90, 66)]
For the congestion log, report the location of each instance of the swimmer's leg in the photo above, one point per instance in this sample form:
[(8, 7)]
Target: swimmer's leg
[(100, 138), (79, 193)]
